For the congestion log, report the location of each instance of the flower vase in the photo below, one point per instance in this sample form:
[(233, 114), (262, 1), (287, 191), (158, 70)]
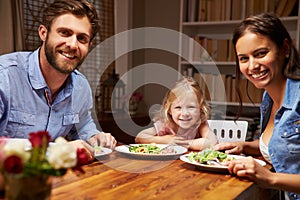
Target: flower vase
[(28, 188), (1, 183)]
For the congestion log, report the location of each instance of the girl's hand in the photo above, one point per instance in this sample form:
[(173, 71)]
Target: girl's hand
[(249, 168), (181, 142), (171, 139), (166, 131), (230, 147)]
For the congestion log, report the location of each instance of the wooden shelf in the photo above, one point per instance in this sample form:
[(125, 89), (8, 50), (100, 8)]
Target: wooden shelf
[(205, 31), (212, 67)]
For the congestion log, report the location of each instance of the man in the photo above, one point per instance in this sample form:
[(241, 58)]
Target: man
[(42, 90)]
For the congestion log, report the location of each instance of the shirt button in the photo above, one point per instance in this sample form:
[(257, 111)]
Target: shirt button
[(297, 130), (285, 133)]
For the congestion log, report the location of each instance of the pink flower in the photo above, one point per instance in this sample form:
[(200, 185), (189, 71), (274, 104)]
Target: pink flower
[(136, 97), (13, 164), (40, 138), (82, 158)]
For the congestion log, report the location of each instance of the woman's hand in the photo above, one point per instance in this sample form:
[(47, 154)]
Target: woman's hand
[(249, 168), (230, 147)]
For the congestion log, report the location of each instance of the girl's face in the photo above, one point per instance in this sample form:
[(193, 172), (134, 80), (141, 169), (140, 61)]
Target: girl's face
[(260, 60), (185, 111)]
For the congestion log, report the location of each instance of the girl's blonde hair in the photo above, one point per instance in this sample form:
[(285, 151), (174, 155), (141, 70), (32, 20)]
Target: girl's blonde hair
[(181, 88)]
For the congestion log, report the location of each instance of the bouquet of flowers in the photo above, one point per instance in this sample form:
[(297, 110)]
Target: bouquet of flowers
[(25, 167), (41, 158), (132, 101), (136, 97), (133, 98)]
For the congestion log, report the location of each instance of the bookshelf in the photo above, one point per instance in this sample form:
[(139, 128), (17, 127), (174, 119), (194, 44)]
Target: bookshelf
[(211, 23)]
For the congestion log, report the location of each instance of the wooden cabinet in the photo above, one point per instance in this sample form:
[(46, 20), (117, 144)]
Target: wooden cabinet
[(211, 23)]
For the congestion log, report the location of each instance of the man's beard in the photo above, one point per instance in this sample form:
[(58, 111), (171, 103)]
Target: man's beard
[(64, 66)]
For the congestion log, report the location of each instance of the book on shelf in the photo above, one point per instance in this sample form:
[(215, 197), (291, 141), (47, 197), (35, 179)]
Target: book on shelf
[(255, 7), (228, 86), (185, 11), (214, 10), (223, 10), (270, 5), (231, 52), (227, 10), (237, 11), (280, 7), (199, 52), (192, 9), (219, 82), (208, 49), (288, 8), (222, 50), (234, 96), (202, 10)]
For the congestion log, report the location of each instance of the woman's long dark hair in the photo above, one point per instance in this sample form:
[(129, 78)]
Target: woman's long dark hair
[(268, 25)]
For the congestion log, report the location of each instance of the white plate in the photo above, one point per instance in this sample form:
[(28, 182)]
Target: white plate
[(214, 168), (26, 142), (125, 149), (105, 151)]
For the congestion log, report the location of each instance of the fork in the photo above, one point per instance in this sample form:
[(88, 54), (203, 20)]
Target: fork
[(214, 161), (128, 145), (166, 147)]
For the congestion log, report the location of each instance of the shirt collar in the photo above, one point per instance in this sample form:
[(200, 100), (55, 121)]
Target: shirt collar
[(36, 77), (291, 94)]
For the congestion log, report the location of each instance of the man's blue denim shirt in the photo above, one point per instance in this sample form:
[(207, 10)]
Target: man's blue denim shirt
[(23, 103)]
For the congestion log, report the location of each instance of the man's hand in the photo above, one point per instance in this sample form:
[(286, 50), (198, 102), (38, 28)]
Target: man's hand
[(81, 144), (104, 140)]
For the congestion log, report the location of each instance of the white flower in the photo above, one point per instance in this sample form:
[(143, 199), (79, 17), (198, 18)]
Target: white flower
[(62, 154), (17, 148)]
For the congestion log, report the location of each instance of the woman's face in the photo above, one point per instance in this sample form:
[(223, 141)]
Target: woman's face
[(260, 60), (185, 110)]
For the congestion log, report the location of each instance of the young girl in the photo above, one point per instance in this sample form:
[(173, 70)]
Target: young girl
[(182, 119)]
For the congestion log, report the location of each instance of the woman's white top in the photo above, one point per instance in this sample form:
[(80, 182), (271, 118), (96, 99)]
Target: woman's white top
[(264, 150)]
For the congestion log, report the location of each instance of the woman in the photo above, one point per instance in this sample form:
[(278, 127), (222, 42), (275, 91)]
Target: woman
[(182, 120), (267, 57)]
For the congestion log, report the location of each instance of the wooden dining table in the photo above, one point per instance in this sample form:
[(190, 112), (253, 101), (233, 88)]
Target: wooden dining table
[(120, 176)]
